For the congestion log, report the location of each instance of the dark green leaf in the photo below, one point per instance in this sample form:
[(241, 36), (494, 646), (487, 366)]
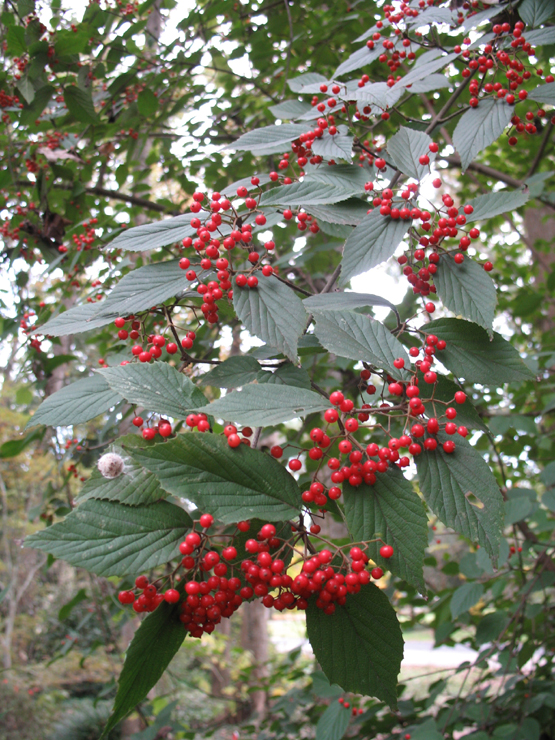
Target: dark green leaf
[(360, 58), (310, 192), (479, 127), (144, 665), (465, 597), (145, 287), (273, 313), (76, 403), (111, 539), (359, 646), (405, 148), (25, 7), (467, 290), (135, 488), (349, 212), (392, 511), (333, 723), (74, 321), (268, 140), (338, 301), (231, 484), (462, 491), (493, 204), (422, 71), (535, 12), (490, 626), (471, 355), (287, 374), (68, 42), (147, 102), (296, 84), (16, 41), (517, 509), (338, 146), (14, 447), (79, 104), (233, 372), (444, 390), (157, 387), (151, 236), (266, 404), (361, 337), (66, 609), (373, 241), (290, 109)]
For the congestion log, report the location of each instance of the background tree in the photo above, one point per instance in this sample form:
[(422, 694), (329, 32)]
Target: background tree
[(118, 116)]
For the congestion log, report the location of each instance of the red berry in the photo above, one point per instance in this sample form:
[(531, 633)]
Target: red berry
[(376, 573), (386, 551), (171, 596), (430, 307), (206, 520), (460, 397), (234, 440)]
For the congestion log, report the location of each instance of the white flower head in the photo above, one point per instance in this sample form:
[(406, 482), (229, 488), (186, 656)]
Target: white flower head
[(111, 465)]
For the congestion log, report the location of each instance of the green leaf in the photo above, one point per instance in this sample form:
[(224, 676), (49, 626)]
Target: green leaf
[(470, 353), (517, 509), (79, 104), (348, 301), (444, 390), (145, 287), (361, 337), (547, 476), (25, 7), (287, 374), (465, 597), (144, 665), (307, 79), (66, 609), (158, 387), (26, 89), (267, 404), (423, 70), (231, 484), (373, 241), (69, 43), (16, 41), (76, 403), (535, 12), (76, 320), (390, 509), (431, 82), (405, 147), (152, 236), (360, 645), (273, 313), (290, 109), (135, 488), (14, 447), (427, 730), (479, 127), (111, 539), (323, 688), (493, 204), (360, 58), (338, 146), (432, 15), (24, 396), (467, 290), (268, 140), (462, 491), (543, 93), (333, 723), (349, 212), (310, 192), (233, 372), (490, 627), (147, 102)]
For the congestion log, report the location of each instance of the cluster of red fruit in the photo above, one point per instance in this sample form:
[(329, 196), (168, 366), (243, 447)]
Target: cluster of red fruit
[(211, 593)]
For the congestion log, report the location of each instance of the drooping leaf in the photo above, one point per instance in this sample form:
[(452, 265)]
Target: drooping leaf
[(465, 597), (430, 82), (479, 127), (296, 84), (405, 148), (268, 140), (147, 102), (543, 93), (373, 241), (390, 509), (76, 403), (350, 212), (272, 312), (360, 645), (339, 301), (535, 12), (231, 484), (143, 666), (76, 320), (492, 204), (462, 491), (422, 71), (137, 487), (266, 404), (143, 288), (541, 36), (110, 539), (152, 236), (360, 58), (287, 374), (338, 146), (155, 386), (351, 176), (333, 723), (361, 337), (14, 447), (467, 290), (80, 105), (471, 355), (233, 372), (432, 15)]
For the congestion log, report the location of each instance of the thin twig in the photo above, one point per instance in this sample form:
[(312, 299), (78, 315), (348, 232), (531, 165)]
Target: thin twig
[(540, 152), (289, 48)]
